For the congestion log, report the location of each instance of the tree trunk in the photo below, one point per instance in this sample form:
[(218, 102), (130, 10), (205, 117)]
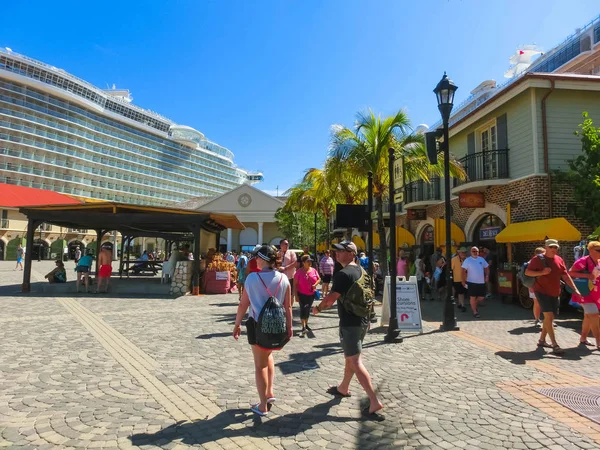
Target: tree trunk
[(383, 260)]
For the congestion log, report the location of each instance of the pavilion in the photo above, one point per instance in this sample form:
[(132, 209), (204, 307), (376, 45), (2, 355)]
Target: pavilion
[(171, 224)]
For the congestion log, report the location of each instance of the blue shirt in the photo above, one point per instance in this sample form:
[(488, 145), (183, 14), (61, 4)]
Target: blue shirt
[(86, 261), (364, 262)]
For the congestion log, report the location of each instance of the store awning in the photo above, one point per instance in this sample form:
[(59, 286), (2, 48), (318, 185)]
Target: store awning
[(439, 230), (359, 243), (404, 238), (539, 230)]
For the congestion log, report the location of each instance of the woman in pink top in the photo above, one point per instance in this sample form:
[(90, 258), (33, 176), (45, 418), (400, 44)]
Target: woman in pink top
[(306, 281), (586, 268), (401, 265)]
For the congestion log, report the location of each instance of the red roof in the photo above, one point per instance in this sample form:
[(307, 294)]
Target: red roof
[(12, 196)]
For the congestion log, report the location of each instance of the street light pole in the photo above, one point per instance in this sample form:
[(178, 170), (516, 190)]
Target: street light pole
[(393, 332), (445, 96)]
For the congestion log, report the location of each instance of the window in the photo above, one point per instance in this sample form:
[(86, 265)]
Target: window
[(488, 146)]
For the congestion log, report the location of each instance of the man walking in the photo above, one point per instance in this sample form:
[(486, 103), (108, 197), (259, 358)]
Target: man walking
[(549, 269), (475, 273), (433, 260), (457, 274), (105, 270), (20, 256), (352, 329)]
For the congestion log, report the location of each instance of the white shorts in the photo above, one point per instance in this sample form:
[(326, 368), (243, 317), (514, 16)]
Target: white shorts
[(589, 308)]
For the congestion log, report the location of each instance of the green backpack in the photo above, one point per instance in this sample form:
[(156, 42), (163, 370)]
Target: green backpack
[(359, 299)]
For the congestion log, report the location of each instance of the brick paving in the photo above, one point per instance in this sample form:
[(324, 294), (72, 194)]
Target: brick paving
[(102, 372)]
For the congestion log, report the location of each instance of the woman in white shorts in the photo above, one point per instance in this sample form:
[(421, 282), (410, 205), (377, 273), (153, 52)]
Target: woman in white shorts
[(586, 268)]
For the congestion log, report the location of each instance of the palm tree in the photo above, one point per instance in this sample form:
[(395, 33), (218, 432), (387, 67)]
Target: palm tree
[(365, 148), (314, 194)]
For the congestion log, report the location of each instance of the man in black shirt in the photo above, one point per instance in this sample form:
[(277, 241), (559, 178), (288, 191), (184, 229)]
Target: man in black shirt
[(352, 329)]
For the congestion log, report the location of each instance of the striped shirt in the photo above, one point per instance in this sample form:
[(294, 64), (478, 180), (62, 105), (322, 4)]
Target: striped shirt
[(326, 265)]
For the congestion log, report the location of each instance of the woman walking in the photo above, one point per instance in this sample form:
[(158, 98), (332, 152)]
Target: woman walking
[(306, 281), (586, 268), (259, 286), (326, 269)]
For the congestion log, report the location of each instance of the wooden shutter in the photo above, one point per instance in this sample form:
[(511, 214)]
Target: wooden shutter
[(502, 132), (471, 144)]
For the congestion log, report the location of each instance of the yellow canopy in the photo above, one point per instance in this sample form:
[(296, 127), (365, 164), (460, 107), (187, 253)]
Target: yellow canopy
[(404, 238), (359, 243), (539, 230), (439, 231)]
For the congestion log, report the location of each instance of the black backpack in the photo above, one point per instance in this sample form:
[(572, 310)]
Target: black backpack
[(271, 326)]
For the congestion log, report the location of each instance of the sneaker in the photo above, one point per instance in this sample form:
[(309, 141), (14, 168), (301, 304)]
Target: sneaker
[(463, 308), (302, 332)]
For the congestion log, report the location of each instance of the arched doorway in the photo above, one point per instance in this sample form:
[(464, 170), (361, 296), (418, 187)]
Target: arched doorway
[(276, 241), (484, 236), (248, 239), (73, 245), (40, 250), (426, 242)]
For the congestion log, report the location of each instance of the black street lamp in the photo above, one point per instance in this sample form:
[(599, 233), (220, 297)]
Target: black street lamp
[(444, 92)]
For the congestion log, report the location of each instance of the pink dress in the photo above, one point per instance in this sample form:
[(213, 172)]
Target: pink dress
[(401, 266)]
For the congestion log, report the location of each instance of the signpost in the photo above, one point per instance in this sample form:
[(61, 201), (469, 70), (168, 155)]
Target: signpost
[(399, 181), (408, 306)]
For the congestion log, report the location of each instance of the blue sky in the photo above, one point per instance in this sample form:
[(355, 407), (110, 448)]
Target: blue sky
[(267, 79)]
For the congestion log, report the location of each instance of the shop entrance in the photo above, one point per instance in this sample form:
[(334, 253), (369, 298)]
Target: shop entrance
[(427, 246), (40, 250), (484, 236)]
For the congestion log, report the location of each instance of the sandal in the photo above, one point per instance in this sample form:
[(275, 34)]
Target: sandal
[(476, 315), (543, 344), (586, 343), (376, 416), (256, 410), (556, 350), (333, 390)]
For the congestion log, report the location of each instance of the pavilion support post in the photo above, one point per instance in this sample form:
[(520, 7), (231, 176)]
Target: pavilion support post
[(99, 235), (31, 226), (218, 242), (196, 263), (123, 238)]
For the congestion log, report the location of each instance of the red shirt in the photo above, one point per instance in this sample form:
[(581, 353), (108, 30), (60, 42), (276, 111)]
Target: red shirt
[(252, 267), (548, 284)]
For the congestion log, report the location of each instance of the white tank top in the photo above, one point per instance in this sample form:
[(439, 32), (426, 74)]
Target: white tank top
[(258, 294)]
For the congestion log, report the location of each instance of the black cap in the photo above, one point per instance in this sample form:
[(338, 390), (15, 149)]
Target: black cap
[(266, 252)]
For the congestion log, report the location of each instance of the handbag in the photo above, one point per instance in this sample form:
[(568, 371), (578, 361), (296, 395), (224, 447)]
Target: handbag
[(582, 284), (317, 295)]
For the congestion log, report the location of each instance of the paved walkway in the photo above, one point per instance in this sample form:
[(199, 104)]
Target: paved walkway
[(102, 372)]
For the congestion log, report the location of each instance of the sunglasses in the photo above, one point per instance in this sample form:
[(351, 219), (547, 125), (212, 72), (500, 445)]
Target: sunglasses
[(474, 251)]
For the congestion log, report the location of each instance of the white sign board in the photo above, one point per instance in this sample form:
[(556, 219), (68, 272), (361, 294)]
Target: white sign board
[(222, 276), (408, 306)]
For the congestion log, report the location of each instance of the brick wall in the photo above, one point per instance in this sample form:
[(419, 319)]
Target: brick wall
[(529, 201)]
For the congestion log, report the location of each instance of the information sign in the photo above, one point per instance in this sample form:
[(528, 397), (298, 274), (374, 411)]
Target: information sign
[(408, 306), (399, 197), (399, 173)]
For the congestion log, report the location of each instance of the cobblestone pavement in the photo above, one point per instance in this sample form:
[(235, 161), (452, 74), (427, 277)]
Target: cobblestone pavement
[(103, 372)]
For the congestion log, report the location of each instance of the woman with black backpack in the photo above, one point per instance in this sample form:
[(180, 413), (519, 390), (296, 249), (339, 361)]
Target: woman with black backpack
[(269, 325)]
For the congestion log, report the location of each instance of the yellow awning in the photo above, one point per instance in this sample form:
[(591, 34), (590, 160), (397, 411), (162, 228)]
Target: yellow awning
[(439, 231), (359, 243), (404, 238), (539, 230), (376, 241)]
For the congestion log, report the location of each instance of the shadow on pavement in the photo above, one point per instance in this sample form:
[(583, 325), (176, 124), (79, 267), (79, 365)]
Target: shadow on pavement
[(219, 427), (519, 358)]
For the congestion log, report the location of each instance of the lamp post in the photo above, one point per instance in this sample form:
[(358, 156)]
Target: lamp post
[(393, 332), (444, 92)]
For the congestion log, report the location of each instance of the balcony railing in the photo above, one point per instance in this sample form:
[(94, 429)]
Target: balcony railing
[(4, 223), (421, 191), (489, 165)]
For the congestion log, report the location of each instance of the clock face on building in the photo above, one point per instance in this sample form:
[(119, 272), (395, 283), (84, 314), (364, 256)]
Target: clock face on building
[(244, 200)]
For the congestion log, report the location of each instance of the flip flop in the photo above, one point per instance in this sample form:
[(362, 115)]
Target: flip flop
[(256, 410), (333, 390), (376, 416), (587, 343)]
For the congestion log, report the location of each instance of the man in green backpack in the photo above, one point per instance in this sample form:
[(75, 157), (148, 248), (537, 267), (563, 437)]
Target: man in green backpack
[(351, 289)]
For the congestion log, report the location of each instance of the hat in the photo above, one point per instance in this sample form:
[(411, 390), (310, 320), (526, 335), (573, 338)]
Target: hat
[(552, 243), (346, 245), (306, 258), (462, 250), (266, 252)]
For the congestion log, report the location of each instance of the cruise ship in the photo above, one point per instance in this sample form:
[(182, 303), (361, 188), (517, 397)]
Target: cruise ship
[(61, 133)]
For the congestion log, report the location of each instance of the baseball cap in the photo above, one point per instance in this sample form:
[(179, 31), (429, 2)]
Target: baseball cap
[(266, 252), (347, 246), (552, 243)]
